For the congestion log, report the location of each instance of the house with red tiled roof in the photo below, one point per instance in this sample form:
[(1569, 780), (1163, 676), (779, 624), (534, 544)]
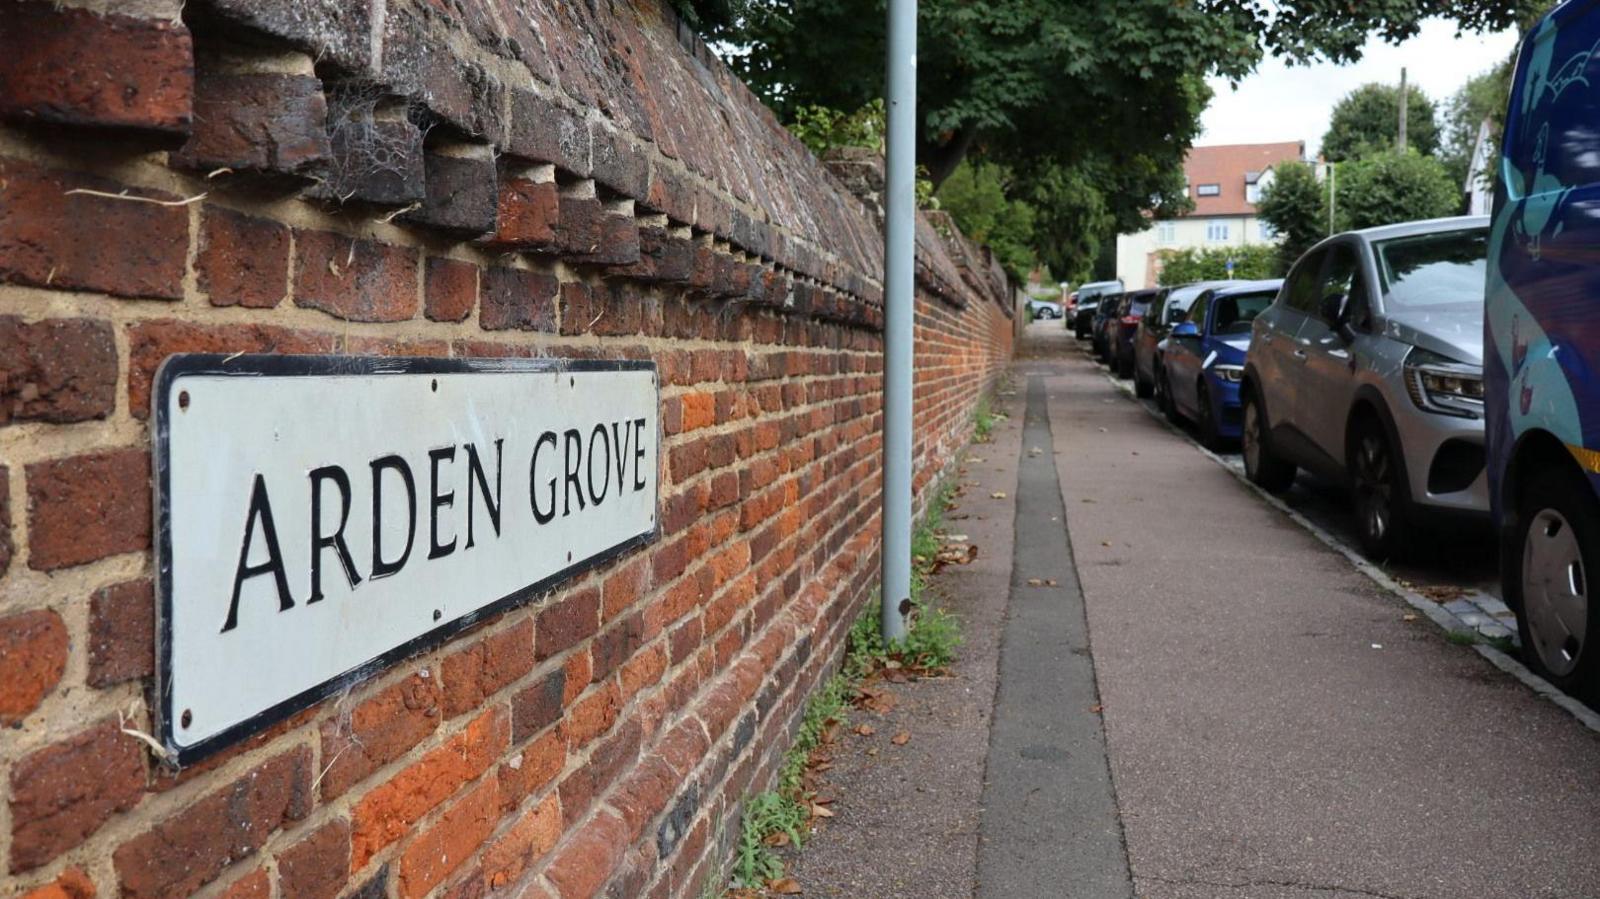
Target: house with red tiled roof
[(1224, 183)]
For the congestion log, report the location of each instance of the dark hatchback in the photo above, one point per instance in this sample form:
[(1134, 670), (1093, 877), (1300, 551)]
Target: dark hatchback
[(1124, 327), (1089, 297), (1100, 328)]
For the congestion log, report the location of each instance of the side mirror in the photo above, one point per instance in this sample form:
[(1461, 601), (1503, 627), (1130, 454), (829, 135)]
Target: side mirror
[(1186, 329)]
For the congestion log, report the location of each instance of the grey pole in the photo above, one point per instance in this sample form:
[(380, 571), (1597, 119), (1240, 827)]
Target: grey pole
[(898, 273)]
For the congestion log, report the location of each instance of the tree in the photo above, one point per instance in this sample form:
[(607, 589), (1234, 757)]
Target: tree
[(1483, 97), (1367, 120), (975, 196), (1211, 264), (1392, 187), (1294, 205)]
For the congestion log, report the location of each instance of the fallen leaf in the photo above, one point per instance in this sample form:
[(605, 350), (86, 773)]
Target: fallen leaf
[(787, 886), (1035, 582), (998, 494), (1096, 709), (821, 811), (866, 730), (873, 751), (1408, 617), (1105, 542), (901, 738), (1049, 582), (777, 838)]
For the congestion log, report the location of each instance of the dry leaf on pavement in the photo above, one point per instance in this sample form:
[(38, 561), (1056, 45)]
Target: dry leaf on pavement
[(866, 730), (998, 494), (821, 811), (901, 738), (786, 886)]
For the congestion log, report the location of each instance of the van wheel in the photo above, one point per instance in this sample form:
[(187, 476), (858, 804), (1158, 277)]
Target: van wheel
[(1555, 553), (1265, 468), (1382, 496)]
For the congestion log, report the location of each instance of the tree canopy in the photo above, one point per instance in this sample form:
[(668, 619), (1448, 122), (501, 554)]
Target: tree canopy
[(1394, 187), (1189, 265), (1295, 206), (1367, 120), (975, 195)]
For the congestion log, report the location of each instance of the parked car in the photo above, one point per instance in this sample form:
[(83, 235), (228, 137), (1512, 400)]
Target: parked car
[(1099, 330), (1168, 309), (1043, 309), (1203, 361), (1089, 296), (1542, 352), (1124, 326), (1367, 369)]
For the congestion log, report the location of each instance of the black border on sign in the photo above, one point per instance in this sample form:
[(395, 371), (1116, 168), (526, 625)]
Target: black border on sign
[(270, 365)]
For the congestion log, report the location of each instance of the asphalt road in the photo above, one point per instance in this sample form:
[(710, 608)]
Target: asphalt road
[(1275, 725)]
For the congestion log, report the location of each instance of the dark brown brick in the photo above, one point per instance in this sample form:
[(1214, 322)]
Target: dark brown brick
[(257, 122), (378, 731), (617, 242), (546, 132), (73, 67), (537, 705), (151, 342), (579, 224), (462, 195), (88, 507), (243, 260), (450, 291), (33, 653), (567, 622), (58, 370), (62, 794), (616, 164), (73, 241), (5, 520), (190, 848), (318, 866), (513, 299), (122, 627), (355, 279), (375, 154), (332, 31)]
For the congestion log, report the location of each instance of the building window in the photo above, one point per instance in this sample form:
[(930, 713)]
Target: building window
[(1266, 231), (1252, 193), (1208, 190), (1166, 232), (1217, 230)]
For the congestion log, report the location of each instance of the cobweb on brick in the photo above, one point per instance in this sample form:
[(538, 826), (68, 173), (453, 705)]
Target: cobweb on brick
[(361, 147)]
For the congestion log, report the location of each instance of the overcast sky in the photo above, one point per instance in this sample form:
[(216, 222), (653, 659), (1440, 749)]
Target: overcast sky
[(1285, 103)]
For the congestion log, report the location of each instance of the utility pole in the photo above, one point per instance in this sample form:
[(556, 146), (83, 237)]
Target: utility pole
[(1400, 139), (899, 245), (1333, 194)]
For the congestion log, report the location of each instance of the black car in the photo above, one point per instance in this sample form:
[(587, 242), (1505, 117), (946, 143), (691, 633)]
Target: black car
[(1121, 329), (1111, 306), (1089, 297)]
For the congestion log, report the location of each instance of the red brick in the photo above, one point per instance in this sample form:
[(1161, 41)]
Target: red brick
[(318, 866), (73, 241), (391, 810), (71, 884), (33, 653), (527, 214), (538, 705), (122, 628), (514, 299), (643, 670), (567, 622), (243, 260), (579, 667), (193, 846), (73, 67), (354, 279), (5, 520), (377, 732), (616, 645), (592, 716), (257, 122), (58, 370), (458, 833), (534, 834), (532, 769), (62, 794), (589, 857), (622, 587), (255, 885), (451, 289), (485, 667), (699, 411), (151, 342), (88, 507)]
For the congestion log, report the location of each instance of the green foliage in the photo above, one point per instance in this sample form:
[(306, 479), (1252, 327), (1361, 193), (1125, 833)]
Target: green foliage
[(1211, 264), (1295, 205), (765, 814), (1484, 96), (982, 423), (976, 196), (1367, 120), (1392, 187), (711, 15), (822, 128)]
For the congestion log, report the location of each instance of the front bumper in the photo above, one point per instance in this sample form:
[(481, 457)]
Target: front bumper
[(1227, 408), (1444, 460)]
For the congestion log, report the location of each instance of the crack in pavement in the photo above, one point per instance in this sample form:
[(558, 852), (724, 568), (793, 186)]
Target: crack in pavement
[(1246, 884)]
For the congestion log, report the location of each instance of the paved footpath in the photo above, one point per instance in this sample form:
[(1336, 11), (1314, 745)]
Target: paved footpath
[(1275, 727)]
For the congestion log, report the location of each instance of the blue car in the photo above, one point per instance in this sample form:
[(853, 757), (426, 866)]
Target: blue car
[(1203, 359), (1542, 349)]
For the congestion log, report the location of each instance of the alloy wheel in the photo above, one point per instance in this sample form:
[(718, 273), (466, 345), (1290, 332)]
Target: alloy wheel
[(1374, 486), (1250, 439), (1555, 591)]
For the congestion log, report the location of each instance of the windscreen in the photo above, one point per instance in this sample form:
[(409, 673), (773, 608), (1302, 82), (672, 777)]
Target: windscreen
[(1434, 272)]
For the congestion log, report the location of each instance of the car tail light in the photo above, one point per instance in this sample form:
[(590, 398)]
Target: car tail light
[(1130, 319)]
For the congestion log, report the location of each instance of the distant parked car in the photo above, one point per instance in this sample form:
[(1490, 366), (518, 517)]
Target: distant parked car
[(1367, 369), (1111, 306), (1089, 296), (1203, 363), (1124, 326), (1043, 309), (1168, 309), (1542, 353)]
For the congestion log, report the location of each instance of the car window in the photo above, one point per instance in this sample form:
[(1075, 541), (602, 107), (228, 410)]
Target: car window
[(1235, 312), (1433, 271), (1197, 312), (1300, 294)]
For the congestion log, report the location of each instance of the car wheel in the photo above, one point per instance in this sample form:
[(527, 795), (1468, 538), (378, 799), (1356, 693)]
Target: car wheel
[(1210, 438), (1381, 493), (1164, 397), (1125, 368), (1265, 468), (1556, 548), (1141, 388)]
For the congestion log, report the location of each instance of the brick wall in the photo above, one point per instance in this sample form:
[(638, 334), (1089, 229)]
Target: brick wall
[(473, 178)]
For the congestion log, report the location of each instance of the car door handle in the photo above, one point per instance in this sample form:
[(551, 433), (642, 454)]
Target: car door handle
[(1301, 355)]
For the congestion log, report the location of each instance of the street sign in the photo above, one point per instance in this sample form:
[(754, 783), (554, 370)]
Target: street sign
[(320, 518)]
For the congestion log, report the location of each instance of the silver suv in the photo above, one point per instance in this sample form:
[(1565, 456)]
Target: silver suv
[(1367, 369)]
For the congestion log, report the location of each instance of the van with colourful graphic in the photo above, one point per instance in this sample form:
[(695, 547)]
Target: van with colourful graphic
[(1542, 347)]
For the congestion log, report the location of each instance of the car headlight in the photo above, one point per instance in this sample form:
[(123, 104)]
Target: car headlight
[(1444, 386), (1231, 373)]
